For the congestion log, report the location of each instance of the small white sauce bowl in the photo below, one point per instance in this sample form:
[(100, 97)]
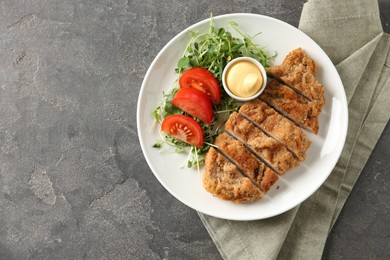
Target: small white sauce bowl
[(255, 62)]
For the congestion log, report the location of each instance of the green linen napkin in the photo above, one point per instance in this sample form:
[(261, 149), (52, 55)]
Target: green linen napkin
[(350, 33)]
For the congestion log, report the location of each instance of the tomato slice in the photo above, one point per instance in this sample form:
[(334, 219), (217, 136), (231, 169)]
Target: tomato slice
[(183, 128), (203, 80), (195, 103)]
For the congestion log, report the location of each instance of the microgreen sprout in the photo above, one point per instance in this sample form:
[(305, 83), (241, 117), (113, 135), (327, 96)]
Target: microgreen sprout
[(211, 50)]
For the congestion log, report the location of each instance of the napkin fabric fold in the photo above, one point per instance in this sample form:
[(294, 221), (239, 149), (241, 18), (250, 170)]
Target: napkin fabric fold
[(350, 33)]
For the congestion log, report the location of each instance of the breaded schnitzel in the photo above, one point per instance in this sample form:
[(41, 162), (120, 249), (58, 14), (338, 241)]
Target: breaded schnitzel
[(299, 71), (292, 105), (264, 138), (277, 126), (271, 150), (259, 173), (224, 180)]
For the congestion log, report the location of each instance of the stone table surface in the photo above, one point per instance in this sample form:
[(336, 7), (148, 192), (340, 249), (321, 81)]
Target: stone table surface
[(73, 181)]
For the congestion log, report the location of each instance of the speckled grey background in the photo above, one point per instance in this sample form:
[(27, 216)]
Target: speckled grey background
[(73, 181)]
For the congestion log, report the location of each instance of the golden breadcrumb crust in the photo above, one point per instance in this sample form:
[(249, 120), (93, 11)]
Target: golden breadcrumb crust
[(224, 180)]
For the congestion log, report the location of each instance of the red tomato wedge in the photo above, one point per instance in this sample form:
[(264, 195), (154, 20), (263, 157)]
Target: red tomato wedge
[(183, 128), (203, 80), (195, 103)]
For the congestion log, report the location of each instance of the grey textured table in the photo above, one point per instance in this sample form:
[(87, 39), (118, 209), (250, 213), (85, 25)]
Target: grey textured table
[(73, 181)]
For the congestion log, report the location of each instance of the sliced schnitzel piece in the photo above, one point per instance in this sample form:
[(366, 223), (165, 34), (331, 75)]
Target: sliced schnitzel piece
[(268, 148), (277, 126), (295, 107), (299, 71), (260, 174), (224, 180)]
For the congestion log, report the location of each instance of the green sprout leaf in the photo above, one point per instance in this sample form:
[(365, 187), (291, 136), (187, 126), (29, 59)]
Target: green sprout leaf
[(183, 62)]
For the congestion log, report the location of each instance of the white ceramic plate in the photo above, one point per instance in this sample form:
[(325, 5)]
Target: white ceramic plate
[(296, 185)]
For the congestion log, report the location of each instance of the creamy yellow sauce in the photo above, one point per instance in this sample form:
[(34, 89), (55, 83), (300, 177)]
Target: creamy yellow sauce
[(244, 79)]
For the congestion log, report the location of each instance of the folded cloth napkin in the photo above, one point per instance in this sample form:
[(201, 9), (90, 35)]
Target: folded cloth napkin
[(350, 33)]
